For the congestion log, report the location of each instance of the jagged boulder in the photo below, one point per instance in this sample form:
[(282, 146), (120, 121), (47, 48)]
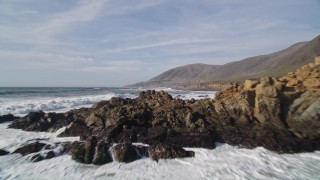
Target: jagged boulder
[(163, 151), (267, 102), (304, 116), (84, 152), (125, 153), (94, 120), (102, 154), (30, 148)]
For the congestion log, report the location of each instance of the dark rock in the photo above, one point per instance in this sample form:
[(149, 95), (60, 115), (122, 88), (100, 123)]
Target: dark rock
[(88, 151), (185, 138), (89, 147), (26, 121), (102, 155), (77, 151), (3, 152), (142, 151), (50, 154), (152, 135), (37, 158), (30, 148), (76, 128), (7, 118), (125, 153), (163, 151), (39, 121), (94, 120)]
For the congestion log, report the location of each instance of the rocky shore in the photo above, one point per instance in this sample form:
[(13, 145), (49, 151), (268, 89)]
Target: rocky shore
[(279, 114)]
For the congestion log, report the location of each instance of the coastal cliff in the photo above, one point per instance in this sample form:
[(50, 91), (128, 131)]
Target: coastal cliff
[(280, 114)]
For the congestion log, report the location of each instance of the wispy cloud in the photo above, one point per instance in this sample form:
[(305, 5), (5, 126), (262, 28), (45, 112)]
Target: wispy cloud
[(86, 10), (139, 39), (116, 66), (172, 42), (39, 31), (34, 60)]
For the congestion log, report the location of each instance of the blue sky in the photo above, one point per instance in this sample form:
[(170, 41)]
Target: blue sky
[(119, 42)]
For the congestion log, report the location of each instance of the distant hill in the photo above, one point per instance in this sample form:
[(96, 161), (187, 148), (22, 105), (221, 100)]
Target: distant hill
[(187, 73), (274, 64)]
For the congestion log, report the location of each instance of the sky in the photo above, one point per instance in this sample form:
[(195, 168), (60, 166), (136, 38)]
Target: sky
[(118, 42)]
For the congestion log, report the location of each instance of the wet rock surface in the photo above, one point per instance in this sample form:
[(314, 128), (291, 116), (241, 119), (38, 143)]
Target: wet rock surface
[(163, 151), (30, 148), (125, 153), (7, 118), (3, 152), (280, 114)]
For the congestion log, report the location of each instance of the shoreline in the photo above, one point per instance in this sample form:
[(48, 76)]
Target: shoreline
[(279, 114), (51, 100)]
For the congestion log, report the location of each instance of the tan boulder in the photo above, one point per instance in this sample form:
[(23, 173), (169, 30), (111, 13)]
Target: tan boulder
[(266, 90), (317, 60), (305, 68), (293, 82), (249, 85), (304, 74), (312, 65), (267, 103), (315, 75), (304, 114), (312, 83)]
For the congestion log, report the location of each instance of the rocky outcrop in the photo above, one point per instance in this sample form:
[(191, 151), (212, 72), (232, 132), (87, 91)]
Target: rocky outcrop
[(40, 121), (30, 148), (280, 114), (7, 118), (90, 152)]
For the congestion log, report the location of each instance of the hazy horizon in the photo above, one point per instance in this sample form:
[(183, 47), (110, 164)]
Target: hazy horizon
[(111, 43)]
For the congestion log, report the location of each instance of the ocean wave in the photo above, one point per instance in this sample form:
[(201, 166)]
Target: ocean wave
[(62, 101), (59, 104)]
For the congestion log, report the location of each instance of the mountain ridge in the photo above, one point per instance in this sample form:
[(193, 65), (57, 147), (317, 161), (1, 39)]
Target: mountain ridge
[(273, 64)]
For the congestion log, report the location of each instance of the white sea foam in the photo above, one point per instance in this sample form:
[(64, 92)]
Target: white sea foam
[(58, 104), (185, 94), (196, 95), (22, 106), (224, 162)]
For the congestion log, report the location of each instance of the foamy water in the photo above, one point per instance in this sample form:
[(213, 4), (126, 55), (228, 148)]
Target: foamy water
[(224, 162), (21, 101)]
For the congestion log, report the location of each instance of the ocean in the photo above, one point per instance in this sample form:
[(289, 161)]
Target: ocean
[(223, 162), (22, 100)]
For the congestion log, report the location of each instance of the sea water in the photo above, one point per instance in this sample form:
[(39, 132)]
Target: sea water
[(20, 101), (223, 162)]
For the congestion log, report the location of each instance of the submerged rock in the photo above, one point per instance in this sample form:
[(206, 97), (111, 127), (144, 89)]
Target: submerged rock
[(7, 118), (3, 152), (29, 148)]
